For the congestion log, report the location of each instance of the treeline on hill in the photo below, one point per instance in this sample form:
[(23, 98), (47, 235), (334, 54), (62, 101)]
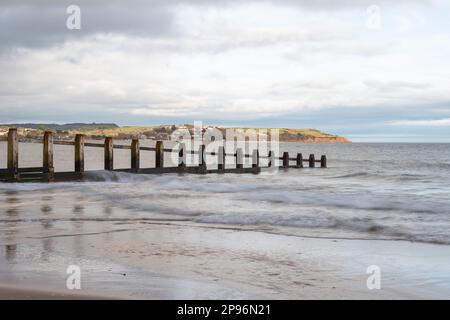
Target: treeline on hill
[(62, 127)]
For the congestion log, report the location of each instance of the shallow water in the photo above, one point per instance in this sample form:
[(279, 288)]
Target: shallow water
[(369, 191)]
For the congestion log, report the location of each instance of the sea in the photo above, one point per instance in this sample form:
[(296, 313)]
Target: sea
[(383, 191)]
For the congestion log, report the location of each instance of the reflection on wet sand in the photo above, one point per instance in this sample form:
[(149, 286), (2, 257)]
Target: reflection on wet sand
[(12, 212), (10, 252), (78, 210), (107, 210), (46, 222), (11, 196)]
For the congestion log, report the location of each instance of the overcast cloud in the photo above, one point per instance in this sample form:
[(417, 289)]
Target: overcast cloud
[(258, 63)]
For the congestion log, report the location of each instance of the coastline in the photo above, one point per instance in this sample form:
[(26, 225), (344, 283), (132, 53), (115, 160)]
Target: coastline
[(32, 132)]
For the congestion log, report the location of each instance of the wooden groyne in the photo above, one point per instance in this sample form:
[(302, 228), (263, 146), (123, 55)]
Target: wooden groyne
[(47, 172)]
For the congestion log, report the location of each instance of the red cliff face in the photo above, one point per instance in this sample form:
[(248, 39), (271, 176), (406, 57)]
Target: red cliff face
[(332, 139), (324, 139)]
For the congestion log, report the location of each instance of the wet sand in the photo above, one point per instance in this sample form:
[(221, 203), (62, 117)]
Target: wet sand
[(15, 293), (173, 260)]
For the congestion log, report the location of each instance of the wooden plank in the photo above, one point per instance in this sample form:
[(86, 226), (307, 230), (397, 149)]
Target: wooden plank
[(64, 143), (13, 154), (159, 154), (135, 156), (79, 153), (25, 140), (232, 170), (94, 145), (160, 170), (37, 176), (47, 158), (109, 154), (121, 146), (68, 176), (312, 162), (193, 170), (31, 169)]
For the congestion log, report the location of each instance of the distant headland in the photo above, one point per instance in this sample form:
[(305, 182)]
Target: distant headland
[(161, 132)]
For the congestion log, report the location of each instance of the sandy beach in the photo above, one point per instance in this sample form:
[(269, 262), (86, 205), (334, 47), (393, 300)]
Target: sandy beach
[(163, 260)]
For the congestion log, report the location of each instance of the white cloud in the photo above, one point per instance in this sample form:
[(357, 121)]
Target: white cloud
[(396, 85), (422, 123)]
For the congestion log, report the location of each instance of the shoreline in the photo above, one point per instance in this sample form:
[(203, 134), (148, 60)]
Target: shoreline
[(207, 264)]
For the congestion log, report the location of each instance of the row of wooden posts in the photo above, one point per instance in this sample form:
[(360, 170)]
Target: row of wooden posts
[(47, 173)]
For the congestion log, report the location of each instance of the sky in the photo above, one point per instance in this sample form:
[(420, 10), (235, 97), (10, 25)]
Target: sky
[(375, 71)]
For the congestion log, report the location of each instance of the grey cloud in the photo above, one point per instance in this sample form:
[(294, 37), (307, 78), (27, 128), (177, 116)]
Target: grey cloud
[(321, 4), (42, 23)]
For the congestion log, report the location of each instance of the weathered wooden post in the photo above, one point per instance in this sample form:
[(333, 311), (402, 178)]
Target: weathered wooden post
[(312, 161), (109, 154), (285, 159), (271, 159), (323, 161), (201, 159), (135, 155), (221, 159), (79, 153), (182, 156), (13, 154), (47, 157), (239, 159), (299, 160), (159, 154), (255, 160)]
